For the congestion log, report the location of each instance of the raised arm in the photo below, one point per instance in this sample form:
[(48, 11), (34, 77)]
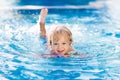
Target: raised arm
[(42, 18)]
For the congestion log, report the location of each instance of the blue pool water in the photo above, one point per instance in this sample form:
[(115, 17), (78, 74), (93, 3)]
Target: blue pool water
[(95, 25)]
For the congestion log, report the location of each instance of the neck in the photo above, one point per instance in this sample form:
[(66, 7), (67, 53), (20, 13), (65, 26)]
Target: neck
[(65, 55)]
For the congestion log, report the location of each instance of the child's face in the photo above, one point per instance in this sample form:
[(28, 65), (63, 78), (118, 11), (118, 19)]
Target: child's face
[(62, 46)]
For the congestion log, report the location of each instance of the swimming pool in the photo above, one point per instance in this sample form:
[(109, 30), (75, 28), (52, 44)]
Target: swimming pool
[(95, 29)]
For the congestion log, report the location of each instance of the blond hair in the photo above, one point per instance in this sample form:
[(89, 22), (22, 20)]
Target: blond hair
[(57, 33)]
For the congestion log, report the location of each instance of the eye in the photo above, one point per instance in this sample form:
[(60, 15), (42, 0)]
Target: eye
[(55, 43), (63, 43)]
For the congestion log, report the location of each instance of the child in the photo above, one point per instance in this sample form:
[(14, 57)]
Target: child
[(59, 39)]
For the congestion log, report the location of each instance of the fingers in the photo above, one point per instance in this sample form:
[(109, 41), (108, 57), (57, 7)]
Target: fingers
[(44, 12), (43, 15)]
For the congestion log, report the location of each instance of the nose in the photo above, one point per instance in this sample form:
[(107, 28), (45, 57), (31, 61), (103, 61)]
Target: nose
[(59, 46)]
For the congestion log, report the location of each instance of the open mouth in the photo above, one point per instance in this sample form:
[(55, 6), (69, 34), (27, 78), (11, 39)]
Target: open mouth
[(60, 51)]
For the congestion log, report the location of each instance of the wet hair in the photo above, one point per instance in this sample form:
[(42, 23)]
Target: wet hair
[(57, 33)]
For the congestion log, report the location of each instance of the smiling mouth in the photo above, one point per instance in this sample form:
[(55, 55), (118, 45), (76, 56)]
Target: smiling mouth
[(60, 51)]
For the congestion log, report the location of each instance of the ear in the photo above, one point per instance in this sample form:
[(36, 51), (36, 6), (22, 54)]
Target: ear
[(47, 44), (70, 41)]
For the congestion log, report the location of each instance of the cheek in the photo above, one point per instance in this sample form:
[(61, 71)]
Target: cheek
[(67, 46), (54, 47)]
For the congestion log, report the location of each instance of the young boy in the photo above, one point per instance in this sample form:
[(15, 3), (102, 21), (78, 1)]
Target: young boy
[(59, 39)]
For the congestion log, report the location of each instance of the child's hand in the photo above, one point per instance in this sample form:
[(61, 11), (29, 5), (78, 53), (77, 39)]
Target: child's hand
[(43, 15)]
